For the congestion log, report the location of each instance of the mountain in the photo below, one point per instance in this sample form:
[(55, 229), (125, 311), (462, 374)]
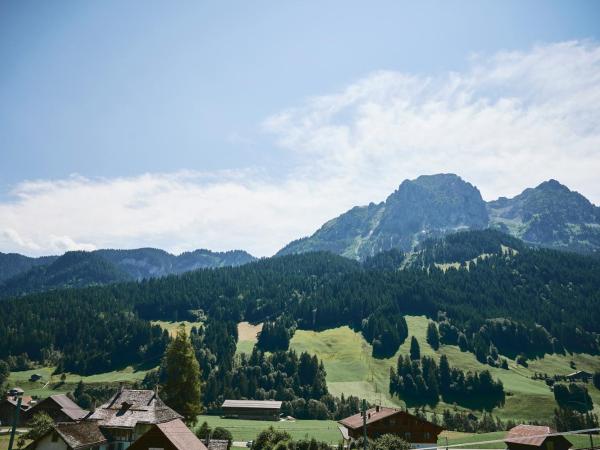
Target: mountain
[(151, 262), (12, 264), (550, 215), (431, 206), (22, 275), (73, 269)]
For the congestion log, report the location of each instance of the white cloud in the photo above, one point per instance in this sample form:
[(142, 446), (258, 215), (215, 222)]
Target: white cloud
[(510, 121)]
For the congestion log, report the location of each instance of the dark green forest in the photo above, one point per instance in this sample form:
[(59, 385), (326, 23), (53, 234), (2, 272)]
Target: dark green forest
[(535, 301)]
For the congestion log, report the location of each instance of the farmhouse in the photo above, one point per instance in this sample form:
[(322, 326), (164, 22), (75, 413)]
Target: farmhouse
[(173, 435), (580, 375), (252, 409), (70, 436), (8, 406), (130, 413), (530, 437), (383, 420), (59, 407)]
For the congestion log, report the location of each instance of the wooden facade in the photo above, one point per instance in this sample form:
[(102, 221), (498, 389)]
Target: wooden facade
[(382, 420), (252, 409)]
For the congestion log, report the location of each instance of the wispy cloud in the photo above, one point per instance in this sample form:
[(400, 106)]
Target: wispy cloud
[(510, 121)]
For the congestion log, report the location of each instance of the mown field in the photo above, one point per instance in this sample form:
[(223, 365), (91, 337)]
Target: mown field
[(353, 371)]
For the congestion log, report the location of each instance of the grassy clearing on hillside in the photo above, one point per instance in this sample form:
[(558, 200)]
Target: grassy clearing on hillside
[(247, 336), (51, 384), (246, 430), (171, 327), (353, 371)]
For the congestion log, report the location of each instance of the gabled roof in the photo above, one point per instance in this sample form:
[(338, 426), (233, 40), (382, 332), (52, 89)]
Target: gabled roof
[(25, 401), (529, 435), (258, 404), (373, 415), (175, 431), (131, 406), (76, 435), (66, 405)]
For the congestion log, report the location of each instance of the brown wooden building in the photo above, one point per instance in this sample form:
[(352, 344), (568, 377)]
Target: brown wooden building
[(530, 437), (60, 407), (8, 406), (382, 420), (252, 409), (173, 435)]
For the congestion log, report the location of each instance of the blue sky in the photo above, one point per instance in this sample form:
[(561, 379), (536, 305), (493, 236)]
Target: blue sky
[(211, 96)]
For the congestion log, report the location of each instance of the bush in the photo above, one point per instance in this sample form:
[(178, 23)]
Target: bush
[(390, 442)]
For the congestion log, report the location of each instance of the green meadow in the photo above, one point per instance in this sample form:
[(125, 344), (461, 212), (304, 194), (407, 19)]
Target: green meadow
[(352, 370)]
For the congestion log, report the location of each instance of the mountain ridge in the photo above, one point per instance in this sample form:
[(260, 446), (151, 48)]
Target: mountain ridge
[(430, 206)]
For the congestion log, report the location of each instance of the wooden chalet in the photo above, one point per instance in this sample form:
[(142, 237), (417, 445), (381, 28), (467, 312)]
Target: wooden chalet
[(84, 435), (173, 435), (579, 375), (252, 409), (59, 407), (130, 413), (532, 437), (8, 405), (382, 420)]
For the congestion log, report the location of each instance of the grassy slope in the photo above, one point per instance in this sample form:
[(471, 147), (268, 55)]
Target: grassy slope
[(50, 384), (352, 370), (171, 327)]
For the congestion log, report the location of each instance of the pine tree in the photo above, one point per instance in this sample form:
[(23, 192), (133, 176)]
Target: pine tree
[(182, 388), (433, 336), (415, 350)]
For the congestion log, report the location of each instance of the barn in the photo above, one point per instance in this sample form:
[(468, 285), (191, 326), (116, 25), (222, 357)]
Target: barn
[(382, 420), (60, 407), (252, 409), (531, 437)]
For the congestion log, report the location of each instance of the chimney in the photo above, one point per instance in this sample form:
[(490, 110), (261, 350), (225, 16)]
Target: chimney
[(368, 415), (377, 408)]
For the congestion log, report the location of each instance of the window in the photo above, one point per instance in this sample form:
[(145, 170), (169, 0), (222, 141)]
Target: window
[(427, 435), (55, 437), (407, 435)]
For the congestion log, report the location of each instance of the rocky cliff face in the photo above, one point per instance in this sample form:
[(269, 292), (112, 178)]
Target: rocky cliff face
[(549, 215)]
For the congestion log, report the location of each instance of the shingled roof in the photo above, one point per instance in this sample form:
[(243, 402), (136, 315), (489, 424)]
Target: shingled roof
[(131, 406), (77, 435), (374, 415), (175, 431), (528, 434), (67, 406)]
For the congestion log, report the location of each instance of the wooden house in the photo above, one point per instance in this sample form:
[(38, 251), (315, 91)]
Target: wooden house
[(252, 409), (382, 420), (173, 435), (7, 409), (130, 413), (84, 435), (59, 407), (579, 375), (532, 437)]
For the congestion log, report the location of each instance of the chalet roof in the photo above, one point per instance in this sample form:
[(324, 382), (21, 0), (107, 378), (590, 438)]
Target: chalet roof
[(374, 415), (175, 431), (67, 406), (529, 435), (77, 435), (578, 373), (131, 406), (25, 401), (258, 404)]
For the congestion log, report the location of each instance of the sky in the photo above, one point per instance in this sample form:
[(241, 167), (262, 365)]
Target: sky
[(244, 125)]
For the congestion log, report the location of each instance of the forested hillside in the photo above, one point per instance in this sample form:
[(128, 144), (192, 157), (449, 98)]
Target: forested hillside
[(530, 301)]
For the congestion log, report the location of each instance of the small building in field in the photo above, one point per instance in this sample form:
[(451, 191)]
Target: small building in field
[(7, 409), (382, 420), (580, 375), (59, 407), (173, 435), (533, 437), (252, 409), (84, 435)]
